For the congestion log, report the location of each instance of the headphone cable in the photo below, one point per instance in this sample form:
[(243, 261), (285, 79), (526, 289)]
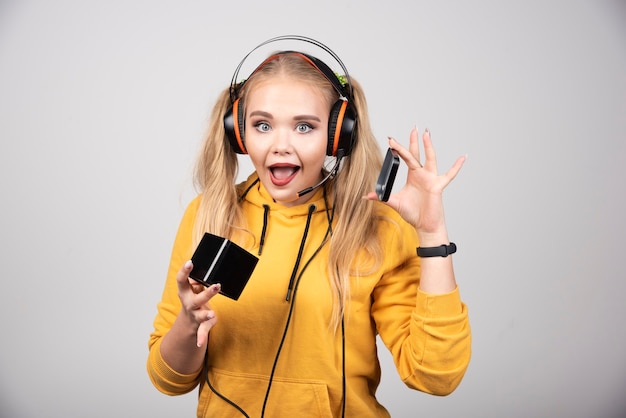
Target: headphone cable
[(293, 302), (224, 398)]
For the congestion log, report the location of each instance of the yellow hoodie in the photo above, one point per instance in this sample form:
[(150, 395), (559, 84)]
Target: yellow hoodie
[(427, 335)]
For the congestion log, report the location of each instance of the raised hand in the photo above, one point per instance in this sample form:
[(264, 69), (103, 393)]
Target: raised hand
[(420, 201)]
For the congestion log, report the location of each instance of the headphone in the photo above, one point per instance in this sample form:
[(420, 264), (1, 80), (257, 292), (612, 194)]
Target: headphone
[(343, 116)]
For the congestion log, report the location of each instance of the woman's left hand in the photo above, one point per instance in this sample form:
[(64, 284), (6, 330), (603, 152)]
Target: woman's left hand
[(420, 201)]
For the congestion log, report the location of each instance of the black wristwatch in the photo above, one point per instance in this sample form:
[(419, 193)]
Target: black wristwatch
[(441, 251)]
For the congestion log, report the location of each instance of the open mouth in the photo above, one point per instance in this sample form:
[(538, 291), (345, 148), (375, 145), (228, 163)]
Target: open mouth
[(282, 174)]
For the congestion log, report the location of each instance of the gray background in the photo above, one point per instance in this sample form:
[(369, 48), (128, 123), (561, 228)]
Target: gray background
[(103, 106)]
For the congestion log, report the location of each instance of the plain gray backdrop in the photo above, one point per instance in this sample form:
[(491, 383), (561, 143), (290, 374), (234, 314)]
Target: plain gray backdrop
[(103, 105)]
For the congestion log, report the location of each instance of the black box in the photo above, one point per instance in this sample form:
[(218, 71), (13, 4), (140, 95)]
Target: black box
[(219, 260)]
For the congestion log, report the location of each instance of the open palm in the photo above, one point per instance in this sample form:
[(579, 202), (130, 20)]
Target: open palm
[(420, 201)]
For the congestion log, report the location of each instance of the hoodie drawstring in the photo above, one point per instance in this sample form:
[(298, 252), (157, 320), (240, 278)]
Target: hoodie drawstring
[(266, 211), (299, 258)]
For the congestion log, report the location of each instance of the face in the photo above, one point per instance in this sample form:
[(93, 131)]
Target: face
[(286, 134)]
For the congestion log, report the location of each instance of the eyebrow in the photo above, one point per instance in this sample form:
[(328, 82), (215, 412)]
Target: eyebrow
[(298, 117)]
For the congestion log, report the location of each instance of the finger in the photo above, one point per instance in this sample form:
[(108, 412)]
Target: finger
[(406, 155), (206, 294), (195, 286), (203, 315), (414, 144), (195, 303), (371, 196), (454, 170), (182, 277), (202, 335), (429, 152)]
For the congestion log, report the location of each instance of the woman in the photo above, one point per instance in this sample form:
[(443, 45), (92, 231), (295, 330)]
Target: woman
[(336, 267)]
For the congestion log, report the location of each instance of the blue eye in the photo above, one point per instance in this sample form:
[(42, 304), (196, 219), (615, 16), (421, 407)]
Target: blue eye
[(262, 126), (304, 128)]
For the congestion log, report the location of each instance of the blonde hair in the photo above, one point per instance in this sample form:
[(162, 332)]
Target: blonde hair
[(354, 247)]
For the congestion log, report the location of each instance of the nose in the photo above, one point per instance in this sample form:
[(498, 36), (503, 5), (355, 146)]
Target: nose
[(282, 141)]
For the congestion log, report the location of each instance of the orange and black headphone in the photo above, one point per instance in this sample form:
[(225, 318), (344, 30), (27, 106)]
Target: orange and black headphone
[(343, 116)]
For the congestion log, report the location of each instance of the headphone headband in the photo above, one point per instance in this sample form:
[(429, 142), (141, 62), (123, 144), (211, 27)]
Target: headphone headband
[(345, 91)]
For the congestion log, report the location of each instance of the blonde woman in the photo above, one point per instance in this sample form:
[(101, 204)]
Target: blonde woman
[(335, 266)]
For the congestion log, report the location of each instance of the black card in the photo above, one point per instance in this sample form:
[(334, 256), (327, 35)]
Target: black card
[(219, 260)]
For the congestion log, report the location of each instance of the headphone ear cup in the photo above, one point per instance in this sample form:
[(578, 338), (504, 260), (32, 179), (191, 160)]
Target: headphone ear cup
[(234, 127), (341, 128)]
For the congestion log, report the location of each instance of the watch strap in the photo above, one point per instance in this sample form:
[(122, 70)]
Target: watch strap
[(440, 251)]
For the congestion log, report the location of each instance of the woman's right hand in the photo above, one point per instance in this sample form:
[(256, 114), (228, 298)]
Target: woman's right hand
[(195, 299)]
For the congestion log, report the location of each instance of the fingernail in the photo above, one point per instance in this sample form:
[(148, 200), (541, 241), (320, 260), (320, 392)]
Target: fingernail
[(217, 287), (188, 264), (210, 316)]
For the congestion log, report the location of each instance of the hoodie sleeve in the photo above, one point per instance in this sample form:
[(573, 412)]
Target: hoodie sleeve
[(428, 335), (163, 377)]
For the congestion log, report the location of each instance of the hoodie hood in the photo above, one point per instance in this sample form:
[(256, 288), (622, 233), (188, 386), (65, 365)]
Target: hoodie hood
[(269, 218), (253, 192)]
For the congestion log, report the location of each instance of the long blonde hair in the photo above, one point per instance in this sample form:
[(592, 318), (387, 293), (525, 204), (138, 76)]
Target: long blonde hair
[(354, 248)]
